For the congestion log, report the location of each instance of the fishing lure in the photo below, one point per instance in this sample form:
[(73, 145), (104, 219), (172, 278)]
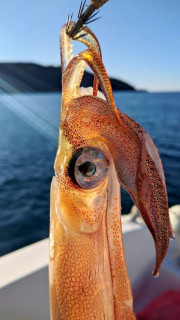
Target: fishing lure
[(99, 149)]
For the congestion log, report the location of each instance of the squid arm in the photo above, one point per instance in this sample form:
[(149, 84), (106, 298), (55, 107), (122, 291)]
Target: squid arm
[(136, 158), (87, 37)]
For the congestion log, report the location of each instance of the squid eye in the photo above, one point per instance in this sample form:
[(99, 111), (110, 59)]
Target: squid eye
[(88, 167)]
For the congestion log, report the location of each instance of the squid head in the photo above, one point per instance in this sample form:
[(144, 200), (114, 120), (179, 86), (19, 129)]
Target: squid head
[(99, 148)]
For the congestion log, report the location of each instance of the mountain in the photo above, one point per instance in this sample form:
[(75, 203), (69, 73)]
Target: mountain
[(31, 77)]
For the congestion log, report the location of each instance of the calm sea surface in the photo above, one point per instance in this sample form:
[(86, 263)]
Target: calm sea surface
[(28, 140)]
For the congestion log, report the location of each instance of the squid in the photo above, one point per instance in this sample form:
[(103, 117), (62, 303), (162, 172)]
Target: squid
[(99, 149)]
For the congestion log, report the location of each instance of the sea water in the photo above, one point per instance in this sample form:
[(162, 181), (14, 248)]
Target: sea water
[(28, 140)]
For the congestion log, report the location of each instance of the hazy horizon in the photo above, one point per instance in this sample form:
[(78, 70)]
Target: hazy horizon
[(115, 77), (139, 40)]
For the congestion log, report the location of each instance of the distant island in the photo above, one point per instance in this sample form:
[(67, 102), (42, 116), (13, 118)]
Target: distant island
[(31, 77)]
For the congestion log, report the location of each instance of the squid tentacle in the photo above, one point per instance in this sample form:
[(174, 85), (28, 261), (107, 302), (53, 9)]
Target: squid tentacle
[(88, 38), (143, 176)]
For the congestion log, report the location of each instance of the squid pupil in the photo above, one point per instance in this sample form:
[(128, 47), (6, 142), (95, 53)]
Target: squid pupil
[(88, 169)]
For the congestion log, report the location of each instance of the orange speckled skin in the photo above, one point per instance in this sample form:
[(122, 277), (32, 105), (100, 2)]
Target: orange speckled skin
[(80, 280), (88, 275)]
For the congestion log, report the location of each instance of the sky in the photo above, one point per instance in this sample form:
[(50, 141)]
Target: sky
[(140, 39)]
